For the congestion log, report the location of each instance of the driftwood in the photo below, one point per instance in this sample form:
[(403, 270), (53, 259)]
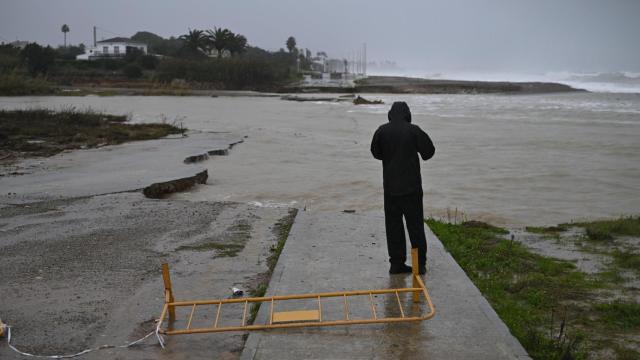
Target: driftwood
[(362, 101), (158, 190)]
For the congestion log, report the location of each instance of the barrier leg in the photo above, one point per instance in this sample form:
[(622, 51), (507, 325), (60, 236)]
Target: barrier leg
[(168, 292), (415, 274)]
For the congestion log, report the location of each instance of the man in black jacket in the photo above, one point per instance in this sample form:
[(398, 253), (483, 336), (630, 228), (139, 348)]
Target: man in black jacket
[(398, 143)]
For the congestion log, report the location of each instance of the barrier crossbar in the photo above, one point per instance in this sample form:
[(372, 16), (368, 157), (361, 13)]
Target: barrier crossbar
[(292, 319)]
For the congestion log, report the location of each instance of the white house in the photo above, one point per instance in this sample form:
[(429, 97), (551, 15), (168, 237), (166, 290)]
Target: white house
[(318, 66), (19, 44), (112, 48)]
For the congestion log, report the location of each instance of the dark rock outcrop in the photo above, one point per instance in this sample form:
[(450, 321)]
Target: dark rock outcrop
[(158, 190), (301, 98), (219, 152), (195, 158)]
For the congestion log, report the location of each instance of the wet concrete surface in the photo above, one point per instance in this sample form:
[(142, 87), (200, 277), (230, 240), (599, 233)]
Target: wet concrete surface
[(110, 169), (83, 272), (339, 251)]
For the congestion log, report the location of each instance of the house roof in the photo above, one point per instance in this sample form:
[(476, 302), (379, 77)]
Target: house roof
[(120, 40)]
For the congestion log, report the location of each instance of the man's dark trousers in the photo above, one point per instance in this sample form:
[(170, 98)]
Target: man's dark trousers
[(409, 206)]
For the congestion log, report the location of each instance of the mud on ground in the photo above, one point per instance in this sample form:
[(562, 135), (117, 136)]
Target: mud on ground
[(83, 272)]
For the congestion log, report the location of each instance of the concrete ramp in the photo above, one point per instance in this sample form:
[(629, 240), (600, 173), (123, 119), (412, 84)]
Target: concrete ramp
[(340, 251)]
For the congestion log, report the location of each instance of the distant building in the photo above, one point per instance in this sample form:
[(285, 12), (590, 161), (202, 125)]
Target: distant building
[(317, 66), (335, 66), (19, 44), (112, 48), (319, 62)]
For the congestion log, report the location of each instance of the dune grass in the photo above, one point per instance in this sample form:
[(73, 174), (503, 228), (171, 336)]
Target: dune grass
[(606, 230), (620, 315), (600, 230), (43, 132)]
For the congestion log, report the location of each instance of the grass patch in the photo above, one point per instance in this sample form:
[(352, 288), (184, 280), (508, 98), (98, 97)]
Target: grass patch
[(625, 353), (547, 229), (606, 230), (230, 244), (222, 250), (620, 315), (626, 259), (281, 231), (539, 298), (611, 275), (258, 291), (473, 224), (42, 132)]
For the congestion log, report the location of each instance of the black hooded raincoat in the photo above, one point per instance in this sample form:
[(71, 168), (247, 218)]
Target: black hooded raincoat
[(398, 143)]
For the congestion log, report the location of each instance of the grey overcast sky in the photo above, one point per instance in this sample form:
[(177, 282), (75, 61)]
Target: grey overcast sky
[(469, 35)]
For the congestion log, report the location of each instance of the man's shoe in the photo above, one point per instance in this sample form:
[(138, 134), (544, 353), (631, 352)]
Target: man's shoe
[(399, 269), (422, 270)]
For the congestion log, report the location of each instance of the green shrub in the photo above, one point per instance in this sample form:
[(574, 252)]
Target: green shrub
[(70, 128), (9, 58), (38, 59), (620, 314), (132, 71), (14, 84), (148, 62), (232, 73), (605, 230)]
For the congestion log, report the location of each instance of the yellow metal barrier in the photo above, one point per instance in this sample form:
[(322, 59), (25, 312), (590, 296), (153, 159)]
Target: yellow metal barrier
[(292, 319)]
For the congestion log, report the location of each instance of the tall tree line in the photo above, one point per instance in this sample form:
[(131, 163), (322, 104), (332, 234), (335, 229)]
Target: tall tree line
[(200, 42)]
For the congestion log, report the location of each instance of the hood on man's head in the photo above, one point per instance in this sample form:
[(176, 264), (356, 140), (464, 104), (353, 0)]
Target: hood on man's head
[(400, 111)]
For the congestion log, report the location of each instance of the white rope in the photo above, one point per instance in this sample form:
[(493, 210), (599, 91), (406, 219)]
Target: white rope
[(160, 339), (102, 347)]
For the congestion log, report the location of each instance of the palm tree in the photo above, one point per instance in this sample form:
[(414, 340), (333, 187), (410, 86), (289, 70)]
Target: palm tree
[(220, 39), (195, 41), (65, 30), (291, 43), (238, 44)]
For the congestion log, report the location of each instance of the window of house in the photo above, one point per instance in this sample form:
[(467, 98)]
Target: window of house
[(116, 49), (105, 49)]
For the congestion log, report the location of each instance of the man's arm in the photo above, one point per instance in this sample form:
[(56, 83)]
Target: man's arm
[(424, 144), (376, 149)]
